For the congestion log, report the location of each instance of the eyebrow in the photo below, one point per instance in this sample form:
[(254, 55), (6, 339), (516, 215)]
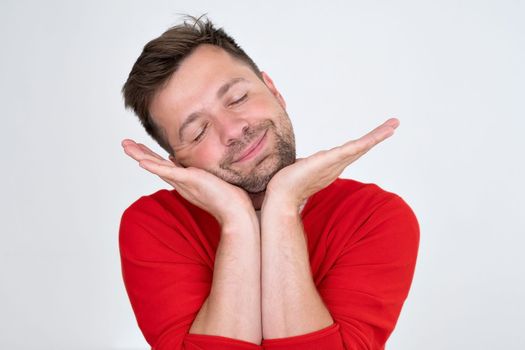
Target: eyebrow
[(220, 93), (224, 89)]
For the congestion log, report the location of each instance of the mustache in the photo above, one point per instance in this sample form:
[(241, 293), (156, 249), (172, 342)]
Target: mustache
[(239, 145)]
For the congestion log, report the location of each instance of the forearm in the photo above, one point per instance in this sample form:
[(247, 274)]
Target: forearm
[(291, 304), (233, 307)]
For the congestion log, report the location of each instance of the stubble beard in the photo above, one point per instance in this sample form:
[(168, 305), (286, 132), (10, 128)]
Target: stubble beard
[(260, 175)]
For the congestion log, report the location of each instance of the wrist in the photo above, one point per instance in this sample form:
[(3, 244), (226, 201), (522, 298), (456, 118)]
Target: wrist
[(241, 219), (280, 200), (280, 207)]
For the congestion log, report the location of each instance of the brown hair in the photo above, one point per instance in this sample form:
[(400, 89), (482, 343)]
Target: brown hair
[(161, 57)]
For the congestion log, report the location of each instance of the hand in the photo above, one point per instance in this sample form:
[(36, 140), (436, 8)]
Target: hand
[(198, 186), (293, 184)]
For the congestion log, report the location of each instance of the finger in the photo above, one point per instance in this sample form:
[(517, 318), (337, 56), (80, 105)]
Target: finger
[(139, 153), (379, 134), (166, 172), (135, 152), (126, 141), (149, 151), (365, 143), (129, 147)]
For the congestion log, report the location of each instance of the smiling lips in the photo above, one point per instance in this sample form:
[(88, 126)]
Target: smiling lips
[(252, 150)]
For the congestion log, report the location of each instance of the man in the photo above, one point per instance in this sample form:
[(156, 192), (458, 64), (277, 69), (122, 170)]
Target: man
[(252, 248)]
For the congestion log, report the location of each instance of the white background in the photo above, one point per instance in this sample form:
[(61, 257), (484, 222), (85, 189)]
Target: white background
[(451, 71)]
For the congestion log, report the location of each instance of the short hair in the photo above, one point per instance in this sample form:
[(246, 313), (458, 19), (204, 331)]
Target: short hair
[(161, 57)]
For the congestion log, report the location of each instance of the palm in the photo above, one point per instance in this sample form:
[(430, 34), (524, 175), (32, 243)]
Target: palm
[(309, 175), (198, 186)]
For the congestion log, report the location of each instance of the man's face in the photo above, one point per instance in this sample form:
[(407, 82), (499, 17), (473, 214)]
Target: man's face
[(219, 116)]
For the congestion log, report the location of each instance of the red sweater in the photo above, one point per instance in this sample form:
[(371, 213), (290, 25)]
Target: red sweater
[(362, 244)]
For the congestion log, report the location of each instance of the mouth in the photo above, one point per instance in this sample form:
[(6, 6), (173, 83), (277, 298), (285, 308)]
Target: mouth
[(253, 149)]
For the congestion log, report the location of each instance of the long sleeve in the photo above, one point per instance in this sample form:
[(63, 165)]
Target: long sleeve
[(167, 267), (368, 280)]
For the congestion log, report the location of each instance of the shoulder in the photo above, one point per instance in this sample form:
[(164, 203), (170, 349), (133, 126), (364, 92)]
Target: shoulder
[(165, 205), (161, 218), (352, 206), (348, 193), (149, 215), (156, 202)]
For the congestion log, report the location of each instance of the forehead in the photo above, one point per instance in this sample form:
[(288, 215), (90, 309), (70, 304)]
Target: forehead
[(195, 84)]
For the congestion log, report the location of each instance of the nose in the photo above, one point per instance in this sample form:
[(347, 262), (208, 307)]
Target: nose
[(232, 128)]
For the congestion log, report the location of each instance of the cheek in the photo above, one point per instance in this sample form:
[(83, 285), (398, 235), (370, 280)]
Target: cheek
[(264, 106), (268, 108), (204, 156)]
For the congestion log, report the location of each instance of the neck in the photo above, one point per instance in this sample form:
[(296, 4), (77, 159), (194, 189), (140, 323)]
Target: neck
[(257, 199)]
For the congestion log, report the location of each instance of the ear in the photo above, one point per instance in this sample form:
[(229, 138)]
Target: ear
[(269, 83)]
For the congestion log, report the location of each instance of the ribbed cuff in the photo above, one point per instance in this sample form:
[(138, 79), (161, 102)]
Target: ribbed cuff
[(326, 338), (217, 342)]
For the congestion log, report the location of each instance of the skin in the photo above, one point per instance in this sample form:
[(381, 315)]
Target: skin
[(262, 285)]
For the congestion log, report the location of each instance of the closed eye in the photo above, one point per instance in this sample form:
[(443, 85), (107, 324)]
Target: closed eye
[(240, 99), (201, 134)]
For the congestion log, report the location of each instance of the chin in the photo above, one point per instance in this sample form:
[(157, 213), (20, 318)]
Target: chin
[(258, 180)]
